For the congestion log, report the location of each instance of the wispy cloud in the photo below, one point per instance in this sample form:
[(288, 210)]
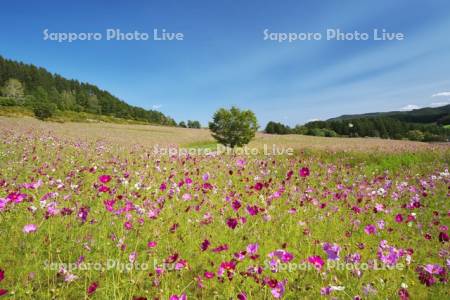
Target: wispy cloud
[(410, 107), (442, 94), (437, 104), (313, 120), (156, 106)]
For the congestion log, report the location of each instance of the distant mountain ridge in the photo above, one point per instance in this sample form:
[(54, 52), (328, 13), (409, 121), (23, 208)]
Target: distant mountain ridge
[(439, 115)]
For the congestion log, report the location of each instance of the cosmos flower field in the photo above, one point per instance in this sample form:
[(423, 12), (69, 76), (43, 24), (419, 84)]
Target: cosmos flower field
[(90, 218)]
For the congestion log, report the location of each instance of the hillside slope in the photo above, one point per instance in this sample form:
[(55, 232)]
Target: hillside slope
[(438, 115), (25, 84)]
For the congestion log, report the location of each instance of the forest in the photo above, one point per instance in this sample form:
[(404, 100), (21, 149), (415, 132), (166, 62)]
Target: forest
[(34, 87)]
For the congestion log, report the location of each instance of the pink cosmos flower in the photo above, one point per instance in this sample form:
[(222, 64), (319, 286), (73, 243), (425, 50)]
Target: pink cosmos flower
[(176, 297), (370, 229), (232, 223), (83, 213), (258, 186), (152, 244), (205, 244), (3, 203), (132, 257), (398, 218), (29, 228), (304, 172), (3, 292), (103, 189), (236, 205), (279, 289), (2, 275), (242, 296), (227, 266), (316, 261), (252, 248), (16, 197), (403, 294), (240, 163), (389, 254), (283, 255), (104, 178), (209, 275), (33, 185), (252, 210), (92, 288), (443, 237), (128, 225), (332, 250), (186, 197), (220, 248)]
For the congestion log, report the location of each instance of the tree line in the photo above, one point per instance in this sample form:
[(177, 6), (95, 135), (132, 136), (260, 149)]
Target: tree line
[(34, 87), (382, 127)]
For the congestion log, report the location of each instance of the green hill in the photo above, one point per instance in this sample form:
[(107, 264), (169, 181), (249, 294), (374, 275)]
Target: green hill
[(25, 85), (439, 115)]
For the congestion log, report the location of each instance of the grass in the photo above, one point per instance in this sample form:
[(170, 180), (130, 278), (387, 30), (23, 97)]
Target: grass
[(347, 189)]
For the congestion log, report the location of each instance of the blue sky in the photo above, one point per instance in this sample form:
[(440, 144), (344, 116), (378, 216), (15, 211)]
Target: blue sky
[(224, 59)]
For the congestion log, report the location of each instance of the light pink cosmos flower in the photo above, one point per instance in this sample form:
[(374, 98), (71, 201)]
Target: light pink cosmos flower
[(205, 177), (186, 197), (33, 185), (29, 228), (279, 289), (240, 163), (3, 203), (252, 248), (132, 257)]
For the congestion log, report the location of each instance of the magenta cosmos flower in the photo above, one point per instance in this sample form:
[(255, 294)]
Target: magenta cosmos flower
[(104, 178), (92, 288), (152, 244), (180, 297), (232, 223), (316, 261), (304, 172)]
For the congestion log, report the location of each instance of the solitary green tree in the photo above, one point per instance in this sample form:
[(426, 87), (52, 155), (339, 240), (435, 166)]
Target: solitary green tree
[(233, 127)]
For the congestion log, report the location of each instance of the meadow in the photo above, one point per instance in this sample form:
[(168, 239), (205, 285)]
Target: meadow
[(91, 211)]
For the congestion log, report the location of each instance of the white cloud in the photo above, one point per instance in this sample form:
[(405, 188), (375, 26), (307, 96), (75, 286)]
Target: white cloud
[(156, 106), (442, 94), (410, 107), (313, 120), (437, 104)]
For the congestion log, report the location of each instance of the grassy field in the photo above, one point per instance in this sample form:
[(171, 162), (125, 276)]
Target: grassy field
[(91, 211)]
